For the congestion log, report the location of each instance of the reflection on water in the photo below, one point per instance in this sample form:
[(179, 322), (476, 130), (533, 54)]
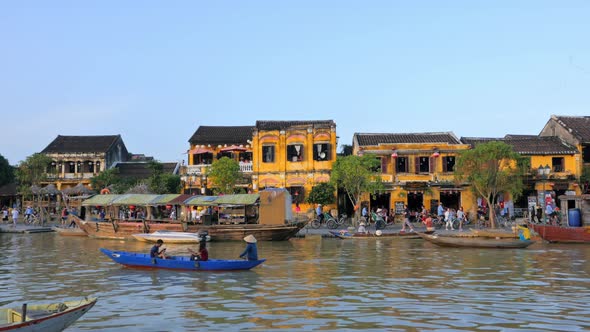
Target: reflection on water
[(309, 284)]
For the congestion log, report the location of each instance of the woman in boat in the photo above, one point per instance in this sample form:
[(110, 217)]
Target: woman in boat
[(362, 228), (251, 252), (201, 255), (156, 252)]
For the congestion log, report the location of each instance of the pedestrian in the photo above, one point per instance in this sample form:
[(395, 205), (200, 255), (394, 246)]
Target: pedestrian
[(407, 220), (461, 218), (15, 214), (297, 208), (251, 251), (539, 213), (319, 214), (532, 212), (64, 216)]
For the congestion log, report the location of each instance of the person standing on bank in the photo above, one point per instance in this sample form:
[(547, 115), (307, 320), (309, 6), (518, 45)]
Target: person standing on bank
[(407, 220), (251, 251)]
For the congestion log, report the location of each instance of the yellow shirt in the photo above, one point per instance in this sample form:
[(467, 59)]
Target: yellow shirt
[(526, 233)]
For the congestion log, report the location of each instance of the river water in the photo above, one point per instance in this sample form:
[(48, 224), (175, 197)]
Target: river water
[(309, 284)]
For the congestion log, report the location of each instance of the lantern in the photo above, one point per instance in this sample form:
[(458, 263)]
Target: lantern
[(168, 207), (132, 207)]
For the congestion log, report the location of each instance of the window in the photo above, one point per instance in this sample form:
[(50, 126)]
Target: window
[(203, 159), (297, 194), (321, 151), (268, 154), (586, 153), (448, 164), (246, 157), (422, 165), (72, 167), (401, 165), (295, 152), (384, 164), (557, 164)]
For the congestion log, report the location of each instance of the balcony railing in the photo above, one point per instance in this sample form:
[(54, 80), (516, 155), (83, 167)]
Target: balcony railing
[(246, 167), (71, 176), (198, 169)]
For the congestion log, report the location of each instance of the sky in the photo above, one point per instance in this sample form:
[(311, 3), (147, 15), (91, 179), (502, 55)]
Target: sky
[(154, 71)]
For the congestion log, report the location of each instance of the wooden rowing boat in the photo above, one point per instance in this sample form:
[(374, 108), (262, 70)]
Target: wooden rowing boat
[(495, 233), (348, 235), (44, 317), (69, 231), (141, 260), (475, 242)]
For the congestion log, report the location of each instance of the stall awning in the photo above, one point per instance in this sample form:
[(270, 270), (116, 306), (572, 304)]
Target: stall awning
[(164, 199), (134, 199), (199, 151)]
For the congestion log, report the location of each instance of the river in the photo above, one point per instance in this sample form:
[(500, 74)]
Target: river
[(309, 284)]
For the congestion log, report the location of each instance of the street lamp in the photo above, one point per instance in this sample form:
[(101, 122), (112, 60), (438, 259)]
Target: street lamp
[(544, 173)]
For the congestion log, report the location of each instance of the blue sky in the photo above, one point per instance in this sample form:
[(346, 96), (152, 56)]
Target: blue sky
[(154, 71)]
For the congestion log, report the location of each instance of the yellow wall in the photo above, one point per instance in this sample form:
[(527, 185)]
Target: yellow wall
[(282, 173)]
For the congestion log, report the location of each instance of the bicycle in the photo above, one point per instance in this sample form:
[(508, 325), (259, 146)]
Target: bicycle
[(506, 222), (327, 219)]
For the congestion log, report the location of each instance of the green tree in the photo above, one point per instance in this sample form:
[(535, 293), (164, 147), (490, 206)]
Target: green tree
[(6, 171), (32, 171), (224, 173), (155, 181), (323, 194), (106, 178), (585, 180), (356, 176), (491, 169), (171, 183)]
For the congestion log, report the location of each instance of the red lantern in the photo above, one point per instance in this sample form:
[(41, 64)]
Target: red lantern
[(132, 207), (168, 207), (394, 154)]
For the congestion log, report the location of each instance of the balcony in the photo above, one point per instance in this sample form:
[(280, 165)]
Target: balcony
[(70, 176), (198, 169), (246, 167)]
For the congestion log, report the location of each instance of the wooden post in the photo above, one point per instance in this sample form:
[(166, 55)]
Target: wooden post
[(24, 313)]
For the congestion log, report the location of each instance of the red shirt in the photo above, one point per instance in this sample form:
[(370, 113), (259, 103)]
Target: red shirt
[(203, 254)]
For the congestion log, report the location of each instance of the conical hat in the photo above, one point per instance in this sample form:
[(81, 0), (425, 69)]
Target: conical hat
[(250, 239)]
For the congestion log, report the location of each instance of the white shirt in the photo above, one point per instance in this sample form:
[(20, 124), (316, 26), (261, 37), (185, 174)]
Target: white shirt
[(15, 213), (362, 229)]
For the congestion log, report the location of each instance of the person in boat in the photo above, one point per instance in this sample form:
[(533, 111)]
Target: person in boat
[(156, 252), (251, 251), (201, 255), (524, 232), (428, 223), (362, 228)]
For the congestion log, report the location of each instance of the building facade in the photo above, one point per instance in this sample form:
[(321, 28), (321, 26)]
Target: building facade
[(76, 159), (210, 143), (417, 169), (295, 155)]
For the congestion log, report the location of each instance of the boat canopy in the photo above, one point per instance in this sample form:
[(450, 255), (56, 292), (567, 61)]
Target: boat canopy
[(239, 199), (172, 199)]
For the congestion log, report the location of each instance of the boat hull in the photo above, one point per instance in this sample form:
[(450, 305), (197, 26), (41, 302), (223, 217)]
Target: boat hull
[(346, 235), (124, 230), (562, 234), (476, 242), (46, 318), (141, 260), (69, 231)]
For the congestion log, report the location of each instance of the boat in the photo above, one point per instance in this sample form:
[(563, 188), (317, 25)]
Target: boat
[(272, 221), (69, 231), (494, 233), (44, 317), (124, 230), (170, 237), (475, 241), (342, 234), (562, 233), (141, 260)]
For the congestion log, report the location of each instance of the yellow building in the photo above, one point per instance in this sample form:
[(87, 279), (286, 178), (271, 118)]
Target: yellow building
[(210, 143), (417, 169), (550, 152), (295, 155)]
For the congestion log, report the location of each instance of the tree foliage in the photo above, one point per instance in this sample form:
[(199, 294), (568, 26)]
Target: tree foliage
[(32, 171), (6, 171), (322, 193), (585, 180), (105, 179), (356, 175), (223, 174), (491, 169)]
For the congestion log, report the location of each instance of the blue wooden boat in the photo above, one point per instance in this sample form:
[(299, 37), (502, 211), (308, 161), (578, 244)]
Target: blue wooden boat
[(141, 260)]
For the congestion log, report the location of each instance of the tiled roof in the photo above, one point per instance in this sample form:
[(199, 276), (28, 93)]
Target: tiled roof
[(406, 138), (222, 135), (8, 190), (528, 145), (280, 125), (141, 170), (81, 144), (579, 126)]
